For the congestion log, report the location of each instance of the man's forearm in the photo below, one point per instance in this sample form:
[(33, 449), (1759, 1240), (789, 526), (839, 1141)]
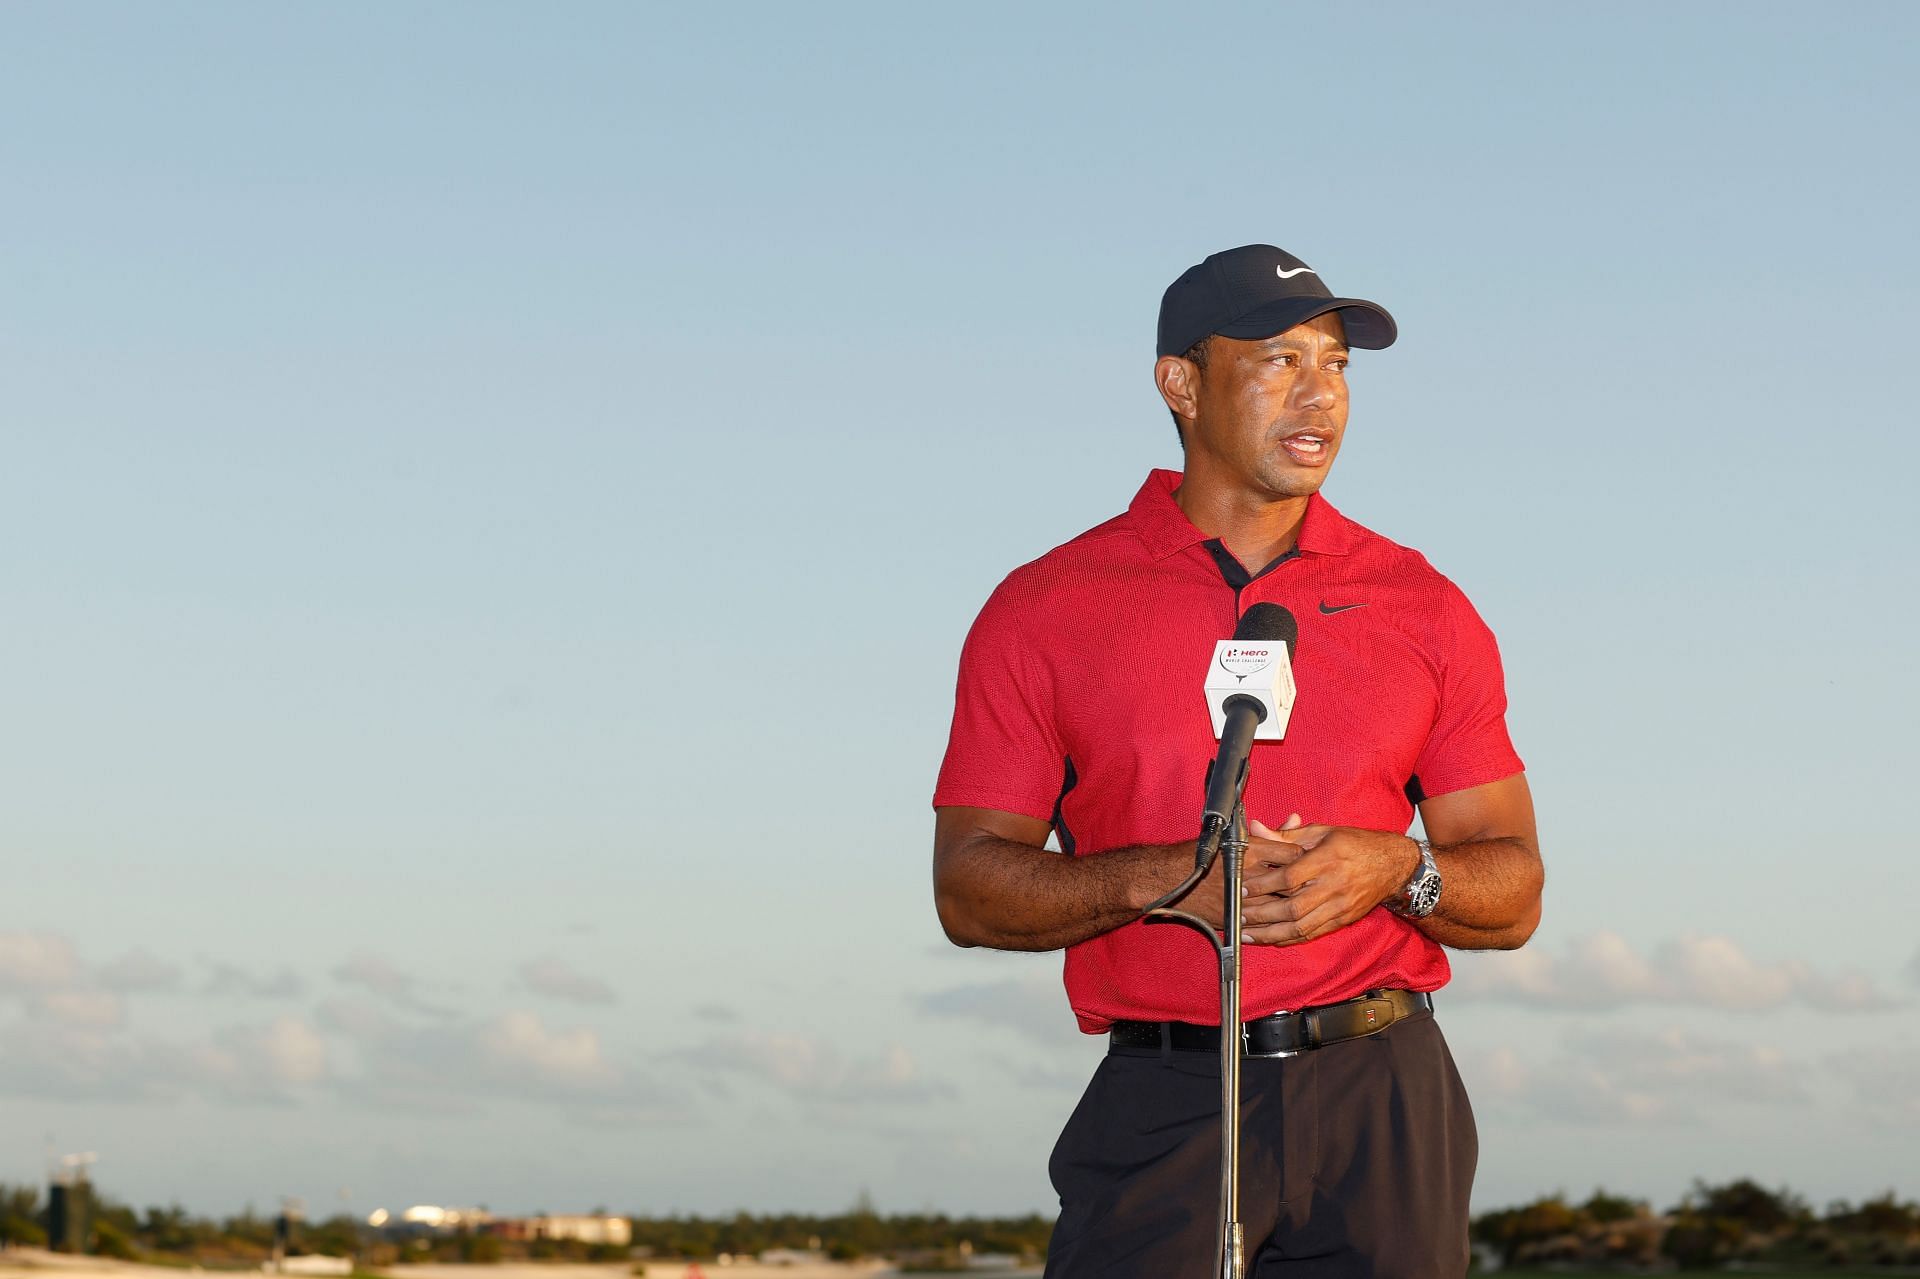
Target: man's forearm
[(1011, 896), (1489, 897)]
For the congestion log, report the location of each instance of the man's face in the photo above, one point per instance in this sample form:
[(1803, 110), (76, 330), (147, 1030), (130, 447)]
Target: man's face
[(1270, 413)]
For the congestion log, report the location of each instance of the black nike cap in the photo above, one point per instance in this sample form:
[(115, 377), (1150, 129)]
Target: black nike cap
[(1256, 291)]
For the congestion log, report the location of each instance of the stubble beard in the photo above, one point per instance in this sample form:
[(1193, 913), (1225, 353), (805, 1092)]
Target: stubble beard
[(1271, 468), (1294, 484), (1284, 479)]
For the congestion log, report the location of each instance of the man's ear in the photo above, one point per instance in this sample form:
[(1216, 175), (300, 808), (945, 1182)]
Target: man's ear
[(1178, 380)]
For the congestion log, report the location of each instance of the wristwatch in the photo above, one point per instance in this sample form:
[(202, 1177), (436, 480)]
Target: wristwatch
[(1422, 893)]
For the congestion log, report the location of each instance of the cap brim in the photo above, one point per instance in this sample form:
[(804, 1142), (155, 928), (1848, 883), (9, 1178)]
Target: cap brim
[(1368, 325)]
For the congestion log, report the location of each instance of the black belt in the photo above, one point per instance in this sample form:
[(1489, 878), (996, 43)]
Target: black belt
[(1284, 1034)]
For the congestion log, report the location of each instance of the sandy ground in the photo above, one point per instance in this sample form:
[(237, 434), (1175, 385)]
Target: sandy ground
[(655, 1270), (18, 1261), (675, 1270)]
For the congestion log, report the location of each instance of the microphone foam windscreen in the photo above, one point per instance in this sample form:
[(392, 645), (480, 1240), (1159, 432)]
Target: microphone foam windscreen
[(1268, 623)]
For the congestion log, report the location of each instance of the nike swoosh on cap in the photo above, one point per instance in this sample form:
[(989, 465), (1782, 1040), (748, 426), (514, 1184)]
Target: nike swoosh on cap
[(1330, 609), (1285, 274)]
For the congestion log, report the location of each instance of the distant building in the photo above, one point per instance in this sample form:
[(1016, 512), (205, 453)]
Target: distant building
[(70, 1215), (793, 1257), (427, 1219), (70, 1204), (584, 1228), (311, 1265), (437, 1218)]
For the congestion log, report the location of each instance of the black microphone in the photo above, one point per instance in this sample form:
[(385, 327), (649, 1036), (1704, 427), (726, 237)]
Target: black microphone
[(1263, 625)]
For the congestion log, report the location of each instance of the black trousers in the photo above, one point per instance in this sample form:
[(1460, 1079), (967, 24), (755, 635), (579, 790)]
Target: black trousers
[(1355, 1160)]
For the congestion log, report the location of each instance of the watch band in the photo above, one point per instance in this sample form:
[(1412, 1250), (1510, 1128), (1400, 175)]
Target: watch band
[(1422, 892)]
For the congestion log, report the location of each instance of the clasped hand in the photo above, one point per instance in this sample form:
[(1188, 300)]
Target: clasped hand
[(1302, 882)]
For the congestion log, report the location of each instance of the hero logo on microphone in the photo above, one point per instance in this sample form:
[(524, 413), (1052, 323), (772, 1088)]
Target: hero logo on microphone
[(1256, 669), (1242, 660)]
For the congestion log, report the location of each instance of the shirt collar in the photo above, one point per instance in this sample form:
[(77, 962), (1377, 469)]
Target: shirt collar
[(1166, 530)]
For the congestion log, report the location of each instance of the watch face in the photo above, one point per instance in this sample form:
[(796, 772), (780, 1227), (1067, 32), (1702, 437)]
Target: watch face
[(1424, 895)]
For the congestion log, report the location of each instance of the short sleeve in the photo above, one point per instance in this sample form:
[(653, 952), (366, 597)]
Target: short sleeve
[(1004, 750), (1469, 745)]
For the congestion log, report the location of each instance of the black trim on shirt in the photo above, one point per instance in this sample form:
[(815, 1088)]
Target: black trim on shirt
[(1235, 572), (1071, 780)]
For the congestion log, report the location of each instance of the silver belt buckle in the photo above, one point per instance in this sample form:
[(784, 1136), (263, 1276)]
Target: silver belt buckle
[(1246, 1041)]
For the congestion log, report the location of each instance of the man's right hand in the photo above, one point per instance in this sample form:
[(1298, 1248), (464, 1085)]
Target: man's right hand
[(995, 882), (1207, 899)]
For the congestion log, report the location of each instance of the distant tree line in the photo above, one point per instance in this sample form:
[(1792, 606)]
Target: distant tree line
[(117, 1230), (1740, 1221), (846, 1236), (1711, 1226)]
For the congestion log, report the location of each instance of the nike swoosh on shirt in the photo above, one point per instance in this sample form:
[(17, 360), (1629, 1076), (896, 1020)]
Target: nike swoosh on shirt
[(1330, 609)]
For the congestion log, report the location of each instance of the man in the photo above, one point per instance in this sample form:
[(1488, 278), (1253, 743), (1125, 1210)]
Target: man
[(1080, 714)]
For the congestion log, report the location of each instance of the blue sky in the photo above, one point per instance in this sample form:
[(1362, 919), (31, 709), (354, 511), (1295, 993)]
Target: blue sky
[(474, 471)]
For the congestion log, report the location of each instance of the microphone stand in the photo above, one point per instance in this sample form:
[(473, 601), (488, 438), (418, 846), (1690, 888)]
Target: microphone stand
[(1229, 842)]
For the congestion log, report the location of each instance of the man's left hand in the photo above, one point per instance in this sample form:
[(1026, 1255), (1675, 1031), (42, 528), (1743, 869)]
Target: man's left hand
[(1341, 874)]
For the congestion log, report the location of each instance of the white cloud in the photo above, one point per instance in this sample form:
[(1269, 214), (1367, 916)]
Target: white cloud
[(1668, 1077), (399, 1065), (83, 1063), (263, 1063), (1031, 1074), (138, 970), (1567, 1090), (231, 981), (551, 976), (71, 1040), (376, 974), (32, 962), (100, 1009), (382, 977), (45, 969), (1034, 1006), (1883, 1081), (517, 1047), (449, 1066), (92, 1063), (39, 962), (1602, 970), (1687, 1067), (810, 1071), (295, 1051)]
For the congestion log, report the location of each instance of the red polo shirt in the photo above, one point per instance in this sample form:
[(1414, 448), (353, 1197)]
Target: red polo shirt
[(1081, 703)]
